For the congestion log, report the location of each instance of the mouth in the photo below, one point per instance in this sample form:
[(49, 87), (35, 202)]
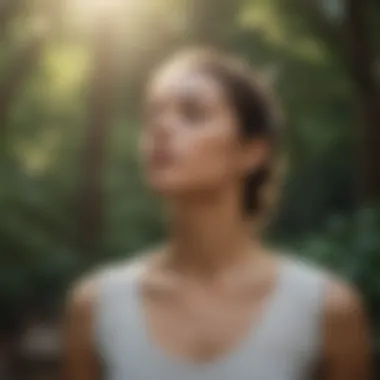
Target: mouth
[(161, 158)]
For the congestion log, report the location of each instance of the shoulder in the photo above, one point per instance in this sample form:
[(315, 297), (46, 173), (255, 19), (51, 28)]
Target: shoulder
[(344, 311), (81, 296), (306, 276), (84, 292), (338, 295), (86, 306), (346, 336), (332, 298), (342, 324), (342, 300), (340, 303)]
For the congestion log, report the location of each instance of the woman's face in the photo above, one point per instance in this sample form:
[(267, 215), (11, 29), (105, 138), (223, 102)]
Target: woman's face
[(190, 139)]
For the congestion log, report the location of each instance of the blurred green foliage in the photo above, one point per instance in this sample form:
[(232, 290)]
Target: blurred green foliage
[(46, 126)]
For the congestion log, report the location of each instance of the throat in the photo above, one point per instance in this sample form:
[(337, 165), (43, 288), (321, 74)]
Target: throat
[(210, 235), (210, 258)]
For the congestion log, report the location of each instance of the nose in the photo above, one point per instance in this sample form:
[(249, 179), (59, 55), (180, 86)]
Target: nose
[(163, 131), (164, 125)]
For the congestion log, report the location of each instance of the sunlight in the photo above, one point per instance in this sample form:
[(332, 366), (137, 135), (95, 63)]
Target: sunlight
[(98, 7), (88, 12)]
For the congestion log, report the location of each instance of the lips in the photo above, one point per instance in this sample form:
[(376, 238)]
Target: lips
[(161, 158)]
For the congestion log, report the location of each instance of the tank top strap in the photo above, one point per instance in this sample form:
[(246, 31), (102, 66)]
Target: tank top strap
[(295, 322), (115, 303)]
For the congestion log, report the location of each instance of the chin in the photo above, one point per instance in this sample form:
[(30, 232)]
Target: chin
[(173, 186), (166, 186)]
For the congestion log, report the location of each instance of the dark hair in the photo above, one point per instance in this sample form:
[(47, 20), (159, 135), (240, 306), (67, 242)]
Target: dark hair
[(256, 109)]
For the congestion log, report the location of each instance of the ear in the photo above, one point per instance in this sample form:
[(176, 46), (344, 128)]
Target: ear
[(255, 154)]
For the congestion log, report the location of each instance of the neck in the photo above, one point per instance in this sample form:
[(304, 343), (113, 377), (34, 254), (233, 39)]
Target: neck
[(209, 234)]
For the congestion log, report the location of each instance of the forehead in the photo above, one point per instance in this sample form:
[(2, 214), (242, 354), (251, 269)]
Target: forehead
[(185, 80)]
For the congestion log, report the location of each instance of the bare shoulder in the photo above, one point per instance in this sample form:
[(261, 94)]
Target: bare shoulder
[(347, 347), (339, 298), (80, 302), (342, 301), (345, 319), (80, 361), (84, 292), (80, 351)]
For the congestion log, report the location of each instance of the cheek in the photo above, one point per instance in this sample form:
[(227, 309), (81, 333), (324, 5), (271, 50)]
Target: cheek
[(210, 158)]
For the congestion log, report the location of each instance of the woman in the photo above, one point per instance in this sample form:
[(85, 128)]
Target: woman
[(213, 303)]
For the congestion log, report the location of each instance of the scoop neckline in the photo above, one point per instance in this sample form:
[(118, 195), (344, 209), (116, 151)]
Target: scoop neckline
[(256, 327)]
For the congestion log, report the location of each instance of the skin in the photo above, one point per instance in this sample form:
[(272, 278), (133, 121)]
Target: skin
[(211, 276)]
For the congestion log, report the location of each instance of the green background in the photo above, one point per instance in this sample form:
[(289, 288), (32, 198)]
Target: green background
[(71, 73)]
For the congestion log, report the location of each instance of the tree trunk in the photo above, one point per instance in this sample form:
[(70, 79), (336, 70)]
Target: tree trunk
[(355, 55), (100, 110), (367, 99)]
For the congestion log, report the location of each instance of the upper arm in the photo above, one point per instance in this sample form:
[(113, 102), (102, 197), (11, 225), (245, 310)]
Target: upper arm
[(346, 353), (79, 359)]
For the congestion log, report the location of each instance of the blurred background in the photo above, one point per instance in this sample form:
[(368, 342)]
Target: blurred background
[(71, 197)]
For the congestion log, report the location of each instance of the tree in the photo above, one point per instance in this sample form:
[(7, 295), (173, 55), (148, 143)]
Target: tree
[(99, 119), (361, 64), (351, 42)]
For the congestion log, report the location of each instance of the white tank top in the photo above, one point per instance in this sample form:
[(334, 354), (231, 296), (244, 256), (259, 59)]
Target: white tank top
[(285, 345)]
